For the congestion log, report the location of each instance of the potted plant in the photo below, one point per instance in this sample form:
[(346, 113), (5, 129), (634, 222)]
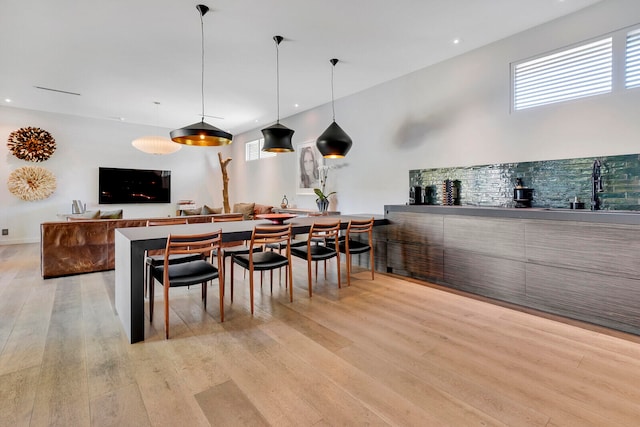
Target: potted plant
[(323, 198)]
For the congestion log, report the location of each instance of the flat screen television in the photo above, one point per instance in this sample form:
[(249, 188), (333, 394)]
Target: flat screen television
[(133, 186)]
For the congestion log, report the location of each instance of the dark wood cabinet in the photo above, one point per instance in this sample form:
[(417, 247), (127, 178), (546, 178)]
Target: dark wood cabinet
[(578, 265)]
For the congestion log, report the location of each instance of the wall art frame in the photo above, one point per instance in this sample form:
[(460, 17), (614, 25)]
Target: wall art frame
[(308, 162)]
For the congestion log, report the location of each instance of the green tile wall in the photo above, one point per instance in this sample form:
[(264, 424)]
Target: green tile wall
[(555, 182)]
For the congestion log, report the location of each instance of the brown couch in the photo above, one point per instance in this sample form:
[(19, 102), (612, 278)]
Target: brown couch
[(85, 246)]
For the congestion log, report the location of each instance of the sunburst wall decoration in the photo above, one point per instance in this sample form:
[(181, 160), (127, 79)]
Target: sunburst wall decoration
[(31, 144), (31, 183)]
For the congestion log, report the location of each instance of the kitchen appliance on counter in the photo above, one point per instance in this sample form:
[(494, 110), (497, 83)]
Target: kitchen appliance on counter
[(522, 196), (415, 195), (429, 194), (451, 192), (576, 204)]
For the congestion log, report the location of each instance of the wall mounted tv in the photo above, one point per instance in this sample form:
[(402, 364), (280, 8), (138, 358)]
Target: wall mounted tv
[(133, 186)]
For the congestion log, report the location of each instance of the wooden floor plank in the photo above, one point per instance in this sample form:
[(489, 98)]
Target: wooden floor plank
[(379, 352), (375, 396), (17, 395), (109, 367), (225, 405), (62, 396), (332, 402), (119, 408), (24, 346)]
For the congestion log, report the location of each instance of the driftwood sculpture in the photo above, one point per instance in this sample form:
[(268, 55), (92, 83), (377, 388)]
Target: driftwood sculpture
[(225, 183)]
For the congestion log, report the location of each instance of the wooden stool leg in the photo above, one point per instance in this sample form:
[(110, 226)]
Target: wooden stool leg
[(309, 275), (251, 289), (151, 298), (231, 284)]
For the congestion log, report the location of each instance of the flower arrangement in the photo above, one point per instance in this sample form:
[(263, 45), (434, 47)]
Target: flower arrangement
[(321, 192)]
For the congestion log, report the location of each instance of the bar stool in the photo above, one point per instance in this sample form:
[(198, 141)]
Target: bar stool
[(315, 251), (156, 257), (348, 246), (265, 260), (202, 246)]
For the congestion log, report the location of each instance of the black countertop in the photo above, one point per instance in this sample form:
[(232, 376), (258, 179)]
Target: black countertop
[(555, 214)]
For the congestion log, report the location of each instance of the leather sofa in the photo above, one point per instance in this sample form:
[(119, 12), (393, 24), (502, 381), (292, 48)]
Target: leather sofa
[(85, 246)]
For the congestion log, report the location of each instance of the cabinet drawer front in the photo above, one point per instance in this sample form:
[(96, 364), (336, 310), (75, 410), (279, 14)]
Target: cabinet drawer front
[(606, 249)]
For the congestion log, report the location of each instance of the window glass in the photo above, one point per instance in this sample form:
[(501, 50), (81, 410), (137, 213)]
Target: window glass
[(632, 62), (585, 70)]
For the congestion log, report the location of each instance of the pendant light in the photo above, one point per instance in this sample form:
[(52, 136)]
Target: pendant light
[(277, 137), (334, 142), (155, 144), (201, 133)]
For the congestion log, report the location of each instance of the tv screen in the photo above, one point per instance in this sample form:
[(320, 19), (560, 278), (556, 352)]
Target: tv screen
[(133, 186)]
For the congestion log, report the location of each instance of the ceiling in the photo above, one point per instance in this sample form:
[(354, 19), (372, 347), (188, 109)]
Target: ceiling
[(121, 56)]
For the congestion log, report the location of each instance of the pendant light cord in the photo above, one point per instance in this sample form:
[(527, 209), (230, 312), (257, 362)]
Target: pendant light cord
[(333, 108), (277, 82), (202, 67), (157, 103)]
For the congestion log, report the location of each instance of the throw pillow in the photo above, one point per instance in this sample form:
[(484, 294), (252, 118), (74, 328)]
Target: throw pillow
[(206, 210), (116, 214), (262, 209), (84, 215), (187, 212), (246, 209)]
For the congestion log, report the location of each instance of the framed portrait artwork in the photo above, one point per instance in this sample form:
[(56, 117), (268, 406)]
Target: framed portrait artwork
[(308, 161)]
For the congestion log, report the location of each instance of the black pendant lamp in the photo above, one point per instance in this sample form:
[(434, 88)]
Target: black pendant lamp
[(277, 137), (201, 133), (334, 142)]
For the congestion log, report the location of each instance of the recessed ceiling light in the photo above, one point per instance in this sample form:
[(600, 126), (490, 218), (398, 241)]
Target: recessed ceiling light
[(457, 41), (296, 105), (7, 100)]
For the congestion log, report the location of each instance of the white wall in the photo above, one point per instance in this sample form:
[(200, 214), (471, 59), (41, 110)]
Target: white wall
[(82, 146), (455, 114)]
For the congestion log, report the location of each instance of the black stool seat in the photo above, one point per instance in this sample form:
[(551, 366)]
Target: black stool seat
[(237, 250), (156, 260), (267, 260), (282, 245), (187, 274), (355, 247), (318, 252)]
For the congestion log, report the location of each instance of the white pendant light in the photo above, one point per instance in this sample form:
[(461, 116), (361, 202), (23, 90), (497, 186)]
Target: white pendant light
[(154, 144)]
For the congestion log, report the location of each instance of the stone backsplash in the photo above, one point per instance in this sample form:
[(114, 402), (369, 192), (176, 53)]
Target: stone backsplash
[(555, 182)]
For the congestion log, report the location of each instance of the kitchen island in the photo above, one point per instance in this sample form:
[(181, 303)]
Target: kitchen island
[(132, 243), (575, 263)]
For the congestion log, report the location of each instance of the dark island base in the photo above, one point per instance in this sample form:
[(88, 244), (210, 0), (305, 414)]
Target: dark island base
[(581, 265)]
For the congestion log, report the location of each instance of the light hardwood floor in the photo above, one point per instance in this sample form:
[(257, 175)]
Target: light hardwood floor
[(383, 352)]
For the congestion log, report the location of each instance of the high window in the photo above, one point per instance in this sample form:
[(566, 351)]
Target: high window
[(253, 150), (580, 71), (632, 60)]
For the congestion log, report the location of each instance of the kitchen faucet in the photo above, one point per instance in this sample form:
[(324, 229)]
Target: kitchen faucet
[(596, 185)]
